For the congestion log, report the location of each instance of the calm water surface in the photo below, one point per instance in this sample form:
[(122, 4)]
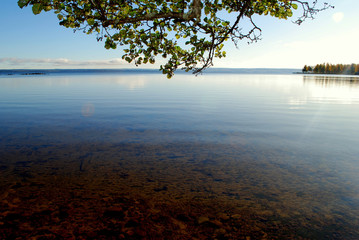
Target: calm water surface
[(280, 151)]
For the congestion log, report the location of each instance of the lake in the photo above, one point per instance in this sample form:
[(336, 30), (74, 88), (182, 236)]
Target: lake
[(133, 155)]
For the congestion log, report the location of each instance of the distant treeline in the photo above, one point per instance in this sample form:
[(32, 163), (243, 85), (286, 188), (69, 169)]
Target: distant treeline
[(327, 68)]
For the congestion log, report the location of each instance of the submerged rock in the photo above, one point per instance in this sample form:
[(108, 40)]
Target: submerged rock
[(202, 219)]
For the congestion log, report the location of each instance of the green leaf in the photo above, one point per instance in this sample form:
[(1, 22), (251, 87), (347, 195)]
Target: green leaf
[(206, 10), (91, 21), (116, 36), (37, 8), (125, 10), (23, 3), (47, 8)]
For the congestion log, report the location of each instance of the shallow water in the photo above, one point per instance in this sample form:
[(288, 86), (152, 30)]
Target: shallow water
[(229, 156)]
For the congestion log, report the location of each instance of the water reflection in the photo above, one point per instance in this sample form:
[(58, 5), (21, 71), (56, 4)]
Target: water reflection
[(329, 80), (234, 157), (330, 90), (131, 82)]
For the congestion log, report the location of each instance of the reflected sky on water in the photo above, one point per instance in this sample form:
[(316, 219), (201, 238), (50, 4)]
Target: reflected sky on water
[(288, 143)]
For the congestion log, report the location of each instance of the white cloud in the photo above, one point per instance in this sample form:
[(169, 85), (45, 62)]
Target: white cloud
[(338, 17), (59, 62)]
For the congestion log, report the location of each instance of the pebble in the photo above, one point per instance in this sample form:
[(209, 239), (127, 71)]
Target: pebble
[(236, 216), (221, 231), (217, 223), (202, 219), (223, 216)]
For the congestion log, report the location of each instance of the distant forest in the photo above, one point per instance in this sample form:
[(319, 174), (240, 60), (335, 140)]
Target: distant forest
[(327, 68)]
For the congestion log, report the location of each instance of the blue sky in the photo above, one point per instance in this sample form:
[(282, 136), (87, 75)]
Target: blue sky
[(29, 41)]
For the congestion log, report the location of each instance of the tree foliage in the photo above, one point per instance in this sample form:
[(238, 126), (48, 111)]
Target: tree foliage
[(327, 68), (188, 33)]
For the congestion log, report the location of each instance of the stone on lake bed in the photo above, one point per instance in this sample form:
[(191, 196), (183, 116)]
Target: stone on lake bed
[(223, 216), (202, 219), (236, 216)]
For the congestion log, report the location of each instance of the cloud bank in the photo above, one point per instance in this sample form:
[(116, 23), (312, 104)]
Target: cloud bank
[(60, 62)]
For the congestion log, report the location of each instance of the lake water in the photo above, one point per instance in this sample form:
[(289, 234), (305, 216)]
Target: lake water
[(137, 156)]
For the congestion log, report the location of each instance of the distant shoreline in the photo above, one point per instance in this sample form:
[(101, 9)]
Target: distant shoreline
[(146, 71), (131, 71)]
